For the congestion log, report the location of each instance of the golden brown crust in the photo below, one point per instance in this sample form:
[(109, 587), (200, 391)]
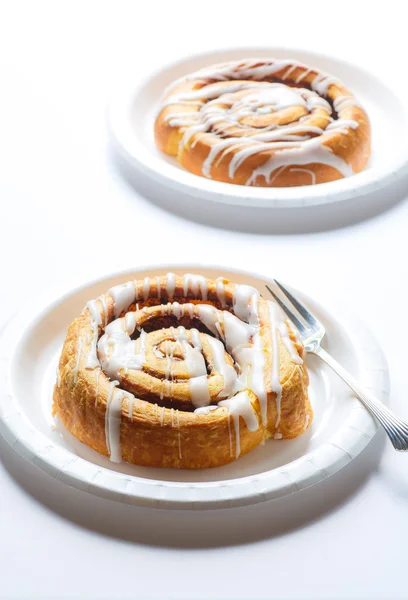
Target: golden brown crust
[(164, 436), (351, 145)]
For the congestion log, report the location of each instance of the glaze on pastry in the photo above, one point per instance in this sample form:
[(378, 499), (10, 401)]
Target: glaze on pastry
[(264, 123), (181, 372)]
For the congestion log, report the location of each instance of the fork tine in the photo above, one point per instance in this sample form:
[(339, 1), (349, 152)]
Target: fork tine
[(308, 317), (288, 312)]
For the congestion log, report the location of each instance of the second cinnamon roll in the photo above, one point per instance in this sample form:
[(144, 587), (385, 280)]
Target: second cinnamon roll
[(269, 123)]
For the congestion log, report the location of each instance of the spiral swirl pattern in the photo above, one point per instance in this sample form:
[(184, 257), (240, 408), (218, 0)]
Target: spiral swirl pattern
[(264, 123), (181, 371)]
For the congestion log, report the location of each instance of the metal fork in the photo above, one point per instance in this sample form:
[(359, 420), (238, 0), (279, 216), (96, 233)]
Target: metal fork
[(312, 332)]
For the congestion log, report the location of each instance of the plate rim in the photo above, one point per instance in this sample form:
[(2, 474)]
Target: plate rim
[(64, 465), (176, 178)]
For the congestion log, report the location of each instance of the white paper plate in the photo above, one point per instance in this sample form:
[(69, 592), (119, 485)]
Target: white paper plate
[(133, 108), (341, 428)]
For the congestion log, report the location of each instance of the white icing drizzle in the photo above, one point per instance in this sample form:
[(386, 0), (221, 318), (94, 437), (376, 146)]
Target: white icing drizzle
[(112, 422), (342, 102), (142, 346), (180, 310), (78, 358), (117, 351), (197, 284), (289, 71), (168, 355), (275, 375), (195, 338), (174, 309), (58, 377), (227, 371), (168, 387), (210, 317), (303, 75), (146, 288), (196, 368), (123, 296), (199, 392), (190, 309), (322, 82), (162, 416), (277, 173), (308, 171), (92, 359), (170, 284), (102, 299), (236, 333), (241, 301), (169, 372), (240, 406), (206, 410), (252, 358), (131, 403), (341, 125), (307, 419), (217, 108), (254, 370), (158, 285)]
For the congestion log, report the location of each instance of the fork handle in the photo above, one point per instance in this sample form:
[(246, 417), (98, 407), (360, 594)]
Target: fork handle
[(395, 428)]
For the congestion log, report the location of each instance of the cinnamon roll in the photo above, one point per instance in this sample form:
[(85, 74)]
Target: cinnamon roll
[(181, 372), (264, 123)]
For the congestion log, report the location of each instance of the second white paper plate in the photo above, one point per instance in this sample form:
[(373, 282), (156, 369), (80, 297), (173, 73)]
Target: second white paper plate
[(133, 108)]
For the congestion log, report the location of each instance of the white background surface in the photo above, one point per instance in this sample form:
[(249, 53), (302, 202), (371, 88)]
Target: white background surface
[(68, 215)]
